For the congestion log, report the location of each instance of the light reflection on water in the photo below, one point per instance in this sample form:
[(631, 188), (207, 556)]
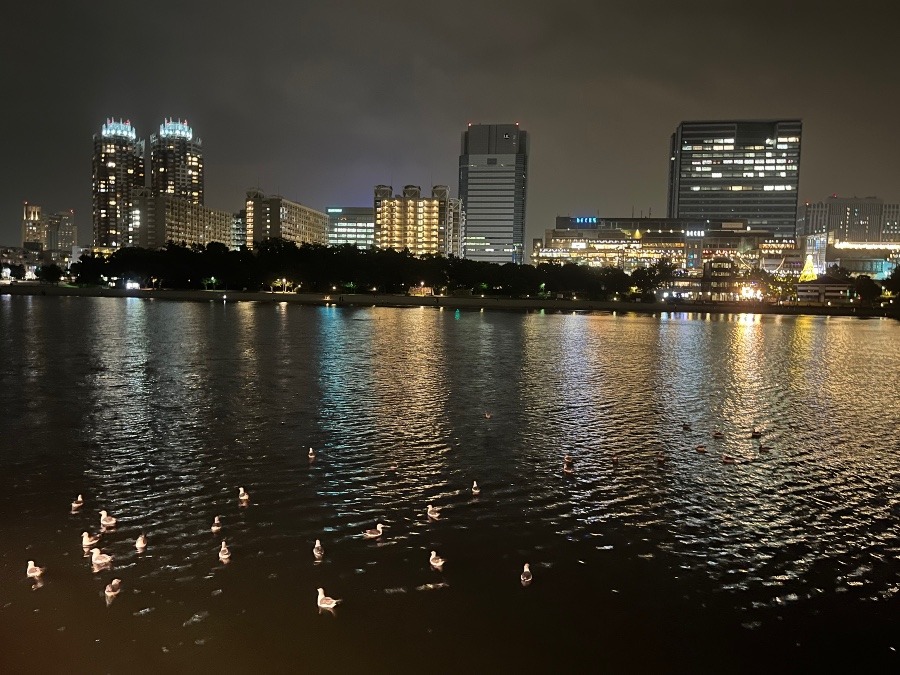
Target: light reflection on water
[(159, 411)]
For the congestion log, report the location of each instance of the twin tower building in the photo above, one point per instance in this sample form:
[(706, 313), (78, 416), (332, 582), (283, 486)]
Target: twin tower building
[(486, 222)]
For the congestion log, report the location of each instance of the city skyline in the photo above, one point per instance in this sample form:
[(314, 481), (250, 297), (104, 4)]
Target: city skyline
[(598, 89)]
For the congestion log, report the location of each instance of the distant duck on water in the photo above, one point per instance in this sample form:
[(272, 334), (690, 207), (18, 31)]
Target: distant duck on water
[(78, 503), (700, 448), (88, 540), (311, 454), (32, 571), (216, 526), (526, 575), (728, 459), (475, 489), (718, 434), (374, 533), (433, 512), (99, 559), (243, 497), (141, 543), (224, 553), (113, 588), (437, 562), (685, 427), (107, 520), (318, 550), (324, 602)]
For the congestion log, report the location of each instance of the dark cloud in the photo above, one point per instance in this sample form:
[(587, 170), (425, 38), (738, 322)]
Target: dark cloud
[(321, 101)]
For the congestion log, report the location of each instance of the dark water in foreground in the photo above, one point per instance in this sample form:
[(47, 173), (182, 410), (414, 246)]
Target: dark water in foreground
[(158, 411)]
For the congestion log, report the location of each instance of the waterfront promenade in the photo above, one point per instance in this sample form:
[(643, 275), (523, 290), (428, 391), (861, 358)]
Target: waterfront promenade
[(452, 302)]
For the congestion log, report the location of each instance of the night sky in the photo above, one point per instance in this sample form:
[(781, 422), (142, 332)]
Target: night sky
[(320, 101)]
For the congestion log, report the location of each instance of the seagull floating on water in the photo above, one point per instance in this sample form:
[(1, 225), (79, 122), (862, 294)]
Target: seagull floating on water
[(88, 540), (436, 561), (107, 520), (318, 550), (78, 503), (324, 602), (99, 559), (526, 575), (113, 588), (243, 497), (433, 512), (311, 453), (33, 571), (475, 489), (216, 526), (375, 533), (700, 448), (141, 543), (487, 415), (224, 553)]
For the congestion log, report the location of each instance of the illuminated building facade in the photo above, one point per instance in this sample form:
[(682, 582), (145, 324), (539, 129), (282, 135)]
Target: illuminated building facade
[(117, 171), (34, 229), (274, 217), (729, 170), (411, 221), (351, 225), (239, 229), (176, 162), (161, 218), (62, 233), (493, 180), (637, 242), (853, 219)]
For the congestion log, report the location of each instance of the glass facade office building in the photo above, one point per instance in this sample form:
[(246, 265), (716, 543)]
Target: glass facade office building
[(730, 170), (351, 225), (493, 178)]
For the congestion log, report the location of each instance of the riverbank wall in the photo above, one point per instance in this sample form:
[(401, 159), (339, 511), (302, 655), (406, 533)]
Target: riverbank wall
[(450, 302)]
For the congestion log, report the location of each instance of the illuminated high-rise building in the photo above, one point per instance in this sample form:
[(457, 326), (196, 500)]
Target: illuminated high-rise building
[(117, 171), (62, 233), (34, 229), (736, 170), (411, 221), (176, 162), (274, 217), (493, 180)]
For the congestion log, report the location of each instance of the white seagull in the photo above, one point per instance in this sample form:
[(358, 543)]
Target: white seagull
[(33, 571), (78, 503), (318, 551), (113, 588), (433, 512), (88, 540), (374, 534), (107, 520), (100, 559), (311, 454), (216, 526), (141, 543), (243, 497), (324, 601), (224, 553), (475, 489), (526, 575), (436, 561)]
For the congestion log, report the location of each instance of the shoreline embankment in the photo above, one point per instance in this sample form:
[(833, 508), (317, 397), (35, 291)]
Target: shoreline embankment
[(451, 302)]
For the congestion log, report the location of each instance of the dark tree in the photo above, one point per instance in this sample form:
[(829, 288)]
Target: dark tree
[(50, 274)]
